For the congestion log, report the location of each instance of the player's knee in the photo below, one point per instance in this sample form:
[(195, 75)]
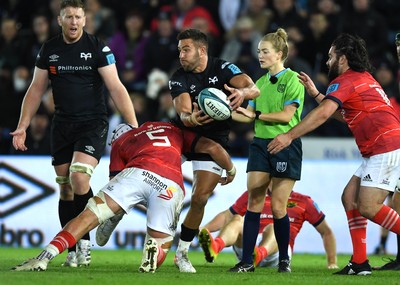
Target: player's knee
[(237, 219), (100, 209), (62, 180), (279, 213), (78, 167), (80, 176), (199, 200)]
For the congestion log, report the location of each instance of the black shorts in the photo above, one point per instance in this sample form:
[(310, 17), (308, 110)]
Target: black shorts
[(284, 164), (88, 137)]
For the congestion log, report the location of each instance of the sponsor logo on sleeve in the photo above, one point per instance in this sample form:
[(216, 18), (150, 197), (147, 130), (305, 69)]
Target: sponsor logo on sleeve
[(332, 88), (110, 58), (234, 69)]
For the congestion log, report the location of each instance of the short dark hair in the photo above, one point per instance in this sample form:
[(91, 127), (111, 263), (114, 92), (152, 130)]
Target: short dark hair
[(72, 3), (196, 35), (355, 50)]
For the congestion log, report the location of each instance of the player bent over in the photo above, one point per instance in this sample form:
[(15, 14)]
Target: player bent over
[(145, 164), (300, 208)]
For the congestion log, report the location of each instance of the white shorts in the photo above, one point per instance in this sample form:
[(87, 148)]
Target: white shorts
[(162, 197), (209, 165), (380, 171), (270, 261)]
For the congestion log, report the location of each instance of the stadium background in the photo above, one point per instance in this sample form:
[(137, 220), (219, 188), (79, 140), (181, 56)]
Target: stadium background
[(28, 193)]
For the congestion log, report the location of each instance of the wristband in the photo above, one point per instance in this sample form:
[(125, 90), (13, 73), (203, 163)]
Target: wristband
[(316, 95), (232, 172), (258, 113)]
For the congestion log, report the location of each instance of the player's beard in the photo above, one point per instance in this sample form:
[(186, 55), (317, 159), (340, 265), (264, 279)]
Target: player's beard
[(333, 71), (190, 65)]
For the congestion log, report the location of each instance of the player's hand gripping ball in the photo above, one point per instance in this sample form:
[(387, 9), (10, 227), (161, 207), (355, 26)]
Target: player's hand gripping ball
[(214, 103)]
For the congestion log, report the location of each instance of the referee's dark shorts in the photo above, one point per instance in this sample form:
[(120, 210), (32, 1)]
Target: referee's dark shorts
[(284, 164)]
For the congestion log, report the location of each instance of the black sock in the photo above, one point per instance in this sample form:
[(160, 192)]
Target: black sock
[(251, 227), (80, 204), (66, 212), (282, 236), (398, 248), (383, 241), (188, 234)]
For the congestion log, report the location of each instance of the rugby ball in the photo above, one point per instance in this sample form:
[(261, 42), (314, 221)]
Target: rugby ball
[(214, 103)]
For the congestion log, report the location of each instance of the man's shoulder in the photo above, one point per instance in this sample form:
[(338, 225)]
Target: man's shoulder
[(178, 73), (54, 41)]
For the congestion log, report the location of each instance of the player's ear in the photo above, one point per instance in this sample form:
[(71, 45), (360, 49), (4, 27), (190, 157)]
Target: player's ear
[(59, 20), (203, 50)]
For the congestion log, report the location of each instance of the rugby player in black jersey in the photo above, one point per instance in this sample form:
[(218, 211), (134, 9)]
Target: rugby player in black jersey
[(78, 66), (199, 71)]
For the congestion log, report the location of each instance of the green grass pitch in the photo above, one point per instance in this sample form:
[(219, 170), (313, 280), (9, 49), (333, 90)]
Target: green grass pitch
[(121, 267)]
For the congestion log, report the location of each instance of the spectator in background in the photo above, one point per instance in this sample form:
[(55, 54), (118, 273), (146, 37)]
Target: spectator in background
[(214, 43), (229, 11), (160, 51), (184, 11), (240, 138), (166, 110), (390, 9), (41, 33), (295, 62), (37, 135), (12, 48), (128, 46), (20, 10), (385, 76), (317, 40), (241, 49), (371, 26), (104, 19), (331, 11), (54, 7), (140, 105), (285, 15), (260, 14)]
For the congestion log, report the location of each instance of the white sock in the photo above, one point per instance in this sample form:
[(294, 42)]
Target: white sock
[(49, 252), (183, 245)]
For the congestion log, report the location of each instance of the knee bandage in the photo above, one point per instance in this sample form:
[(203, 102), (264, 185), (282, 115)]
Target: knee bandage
[(62, 180), (102, 211), (82, 168)]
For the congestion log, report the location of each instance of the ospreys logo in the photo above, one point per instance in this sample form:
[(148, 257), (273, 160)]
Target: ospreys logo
[(18, 190), (213, 80), (86, 55)]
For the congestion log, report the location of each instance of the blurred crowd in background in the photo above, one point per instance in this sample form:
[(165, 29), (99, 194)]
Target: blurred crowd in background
[(142, 35)]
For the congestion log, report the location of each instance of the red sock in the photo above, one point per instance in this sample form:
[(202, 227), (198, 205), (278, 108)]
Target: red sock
[(63, 240), (358, 233), (220, 244), (388, 218), (263, 252), (161, 256)]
